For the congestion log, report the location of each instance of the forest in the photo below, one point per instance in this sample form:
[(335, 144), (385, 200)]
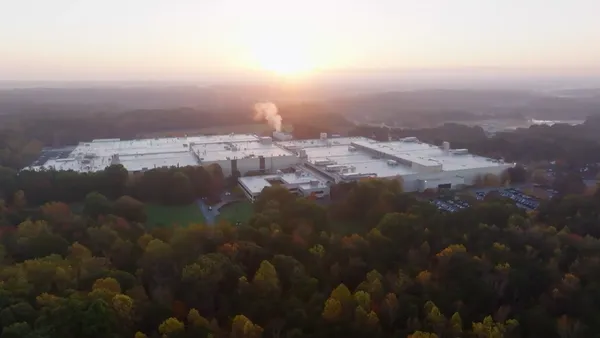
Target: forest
[(572, 145), (376, 262)]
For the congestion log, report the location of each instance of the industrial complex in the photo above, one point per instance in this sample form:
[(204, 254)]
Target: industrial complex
[(306, 167)]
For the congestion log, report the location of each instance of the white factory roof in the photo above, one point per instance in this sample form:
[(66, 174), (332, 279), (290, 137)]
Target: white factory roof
[(301, 179), (426, 154), (210, 152), (142, 154), (412, 157)]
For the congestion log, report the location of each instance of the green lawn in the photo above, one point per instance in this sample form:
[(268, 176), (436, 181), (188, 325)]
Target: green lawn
[(162, 215), (236, 212)]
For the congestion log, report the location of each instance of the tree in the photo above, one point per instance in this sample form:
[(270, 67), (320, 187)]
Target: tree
[(114, 179), (390, 307), (19, 200), (490, 329), (180, 189), (96, 204), (130, 209), (332, 310), (265, 279), (456, 324), (419, 334), (363, 300), (242, 327), (18, 330), (171, 326)]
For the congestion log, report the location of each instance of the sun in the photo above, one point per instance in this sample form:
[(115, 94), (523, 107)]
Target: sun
[(283, 60), (285, 52)]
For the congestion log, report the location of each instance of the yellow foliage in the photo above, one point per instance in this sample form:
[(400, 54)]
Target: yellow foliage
[(170, 325), (341, 293), (363, 300), (123, 305), (317, 250), (140, 335), (109, 284), (196, 319), (332, 310), (372, 319), (144, 240), (451, 250), (243, 327), (419, 334), (46, 299)]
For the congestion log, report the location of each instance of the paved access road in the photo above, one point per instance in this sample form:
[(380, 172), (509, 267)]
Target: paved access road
[(211, 215)]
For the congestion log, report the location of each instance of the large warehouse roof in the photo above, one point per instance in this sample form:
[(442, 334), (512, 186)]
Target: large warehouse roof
[(301, 179), (362, 156), (142, 154)]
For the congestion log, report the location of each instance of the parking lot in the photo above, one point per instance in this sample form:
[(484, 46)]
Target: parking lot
[(450, 205), (521, 199)]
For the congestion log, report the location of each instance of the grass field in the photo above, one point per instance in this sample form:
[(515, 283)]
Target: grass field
[(236, 212), (161, 215)]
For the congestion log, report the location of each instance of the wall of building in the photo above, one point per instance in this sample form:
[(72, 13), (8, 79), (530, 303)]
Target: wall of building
[(465, 176), (252, 164)]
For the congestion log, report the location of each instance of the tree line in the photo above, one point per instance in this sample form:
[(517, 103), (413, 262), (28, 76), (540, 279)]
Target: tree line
[(377, 262), (168, 186), (572, 145)]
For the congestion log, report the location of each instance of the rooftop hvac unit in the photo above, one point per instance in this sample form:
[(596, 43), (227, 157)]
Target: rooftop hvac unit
[(392, 163), (460, 152), (351, 149), (302, 153), (323, 136), (314, 183), (279, 172), (324, 162), (409, 139), (266, 140)]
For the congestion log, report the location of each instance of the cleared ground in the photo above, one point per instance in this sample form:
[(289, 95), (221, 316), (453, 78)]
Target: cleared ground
[(162, 215), (234, 212)]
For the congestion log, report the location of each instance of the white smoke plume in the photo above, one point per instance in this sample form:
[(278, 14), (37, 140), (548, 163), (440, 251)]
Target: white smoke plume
[(268, 111)]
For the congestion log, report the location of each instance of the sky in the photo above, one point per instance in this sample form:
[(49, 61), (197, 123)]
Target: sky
[(186, 39)]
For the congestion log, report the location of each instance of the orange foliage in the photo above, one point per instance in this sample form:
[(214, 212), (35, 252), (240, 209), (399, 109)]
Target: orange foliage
[(424, 276), (353, 241), (301, 232), (228, 249)]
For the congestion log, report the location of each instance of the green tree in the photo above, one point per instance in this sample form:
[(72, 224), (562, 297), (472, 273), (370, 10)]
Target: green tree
[(130, 209), (96, 204)]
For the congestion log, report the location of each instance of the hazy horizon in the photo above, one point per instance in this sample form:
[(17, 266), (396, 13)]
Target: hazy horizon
[(158, 40)]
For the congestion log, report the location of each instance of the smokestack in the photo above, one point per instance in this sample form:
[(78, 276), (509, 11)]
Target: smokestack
[(269, 112)]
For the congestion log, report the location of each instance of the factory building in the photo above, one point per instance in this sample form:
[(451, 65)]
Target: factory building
[(234, 152), (317, 163), (301, 182), (419, 165)]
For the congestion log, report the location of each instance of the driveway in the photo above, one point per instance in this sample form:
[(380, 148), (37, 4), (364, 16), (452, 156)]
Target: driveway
[(209, 215)]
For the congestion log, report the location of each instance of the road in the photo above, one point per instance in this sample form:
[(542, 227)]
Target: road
[(211, 215)]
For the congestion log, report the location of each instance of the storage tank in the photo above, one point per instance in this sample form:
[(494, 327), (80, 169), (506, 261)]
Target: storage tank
[(446, 146)]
